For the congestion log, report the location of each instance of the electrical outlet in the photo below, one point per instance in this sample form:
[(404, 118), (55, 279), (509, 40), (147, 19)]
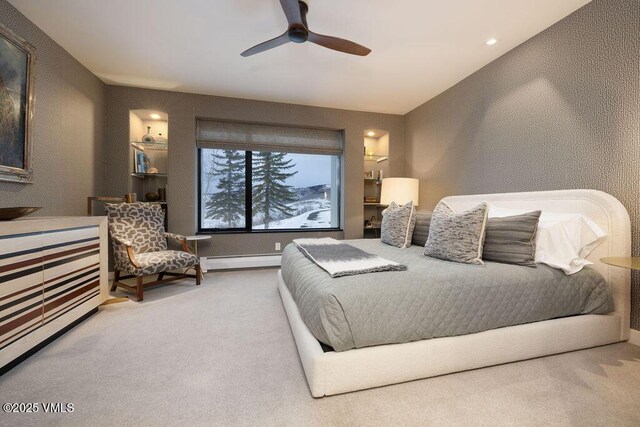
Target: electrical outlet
[(277, 246)]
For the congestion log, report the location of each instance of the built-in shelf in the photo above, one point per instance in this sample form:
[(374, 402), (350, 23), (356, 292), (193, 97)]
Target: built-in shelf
[(376, 157), (376, 166), (147, 175), (150, 146)]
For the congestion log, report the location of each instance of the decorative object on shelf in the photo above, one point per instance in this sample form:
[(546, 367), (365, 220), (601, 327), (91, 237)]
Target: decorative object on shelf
[(370, 199), (152, 196), (400, 190), (162, 192), (380, 175), (7, 214), (153, 170), (142, 162), (373, 222), (17, 78), (130, 197), (148, 138), (161, 139), (369, 174)]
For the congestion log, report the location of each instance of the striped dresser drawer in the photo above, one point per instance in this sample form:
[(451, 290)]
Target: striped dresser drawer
[(21, 286), (71, 264)]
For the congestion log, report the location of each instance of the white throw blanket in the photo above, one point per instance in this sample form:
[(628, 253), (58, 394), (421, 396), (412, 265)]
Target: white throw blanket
[(341, 259)]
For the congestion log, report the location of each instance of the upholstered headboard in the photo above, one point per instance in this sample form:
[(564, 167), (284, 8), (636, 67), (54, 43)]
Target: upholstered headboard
[(604, 209)]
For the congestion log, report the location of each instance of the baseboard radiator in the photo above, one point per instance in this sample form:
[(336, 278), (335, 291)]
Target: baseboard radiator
[(232, 263)]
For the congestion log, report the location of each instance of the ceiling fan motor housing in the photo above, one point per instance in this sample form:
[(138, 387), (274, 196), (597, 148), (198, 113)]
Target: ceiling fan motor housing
[(298, 34)]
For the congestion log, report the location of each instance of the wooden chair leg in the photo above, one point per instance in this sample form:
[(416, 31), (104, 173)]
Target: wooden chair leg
[(160, 276), (198, 274), (139, 288), (116, 278)]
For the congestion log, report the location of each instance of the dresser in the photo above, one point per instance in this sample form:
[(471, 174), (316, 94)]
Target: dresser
[(53, 273)]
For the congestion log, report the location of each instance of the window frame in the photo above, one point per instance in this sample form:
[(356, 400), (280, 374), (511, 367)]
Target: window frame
[(248, 191)]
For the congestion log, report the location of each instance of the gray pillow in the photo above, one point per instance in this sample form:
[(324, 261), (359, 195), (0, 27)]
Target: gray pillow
[(397, 225), (457, 237), (512, 239), (421, 231)]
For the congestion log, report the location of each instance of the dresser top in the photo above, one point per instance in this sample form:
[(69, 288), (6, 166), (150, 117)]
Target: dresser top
[(48, 223)]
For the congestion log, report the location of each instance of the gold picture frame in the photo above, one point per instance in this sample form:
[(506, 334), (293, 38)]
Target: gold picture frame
[(17, 84)]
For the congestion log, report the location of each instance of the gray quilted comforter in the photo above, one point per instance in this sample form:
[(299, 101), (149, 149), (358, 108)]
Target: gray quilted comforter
[(433, 298)]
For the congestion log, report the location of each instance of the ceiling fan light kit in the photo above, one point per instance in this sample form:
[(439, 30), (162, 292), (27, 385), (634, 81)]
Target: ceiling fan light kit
[(298, 32)]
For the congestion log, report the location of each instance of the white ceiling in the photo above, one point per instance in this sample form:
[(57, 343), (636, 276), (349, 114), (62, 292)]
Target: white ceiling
[(420, 47)]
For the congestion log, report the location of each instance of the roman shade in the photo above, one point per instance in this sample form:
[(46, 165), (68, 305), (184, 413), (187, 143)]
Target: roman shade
[(257, 137)]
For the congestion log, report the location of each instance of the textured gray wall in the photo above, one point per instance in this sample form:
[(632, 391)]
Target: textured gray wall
[(562, 110), (68, 132), (183, 108)]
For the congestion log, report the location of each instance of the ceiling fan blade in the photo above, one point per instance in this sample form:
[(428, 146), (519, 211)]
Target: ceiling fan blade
[(292, 11), (341, 45), (269, 44)]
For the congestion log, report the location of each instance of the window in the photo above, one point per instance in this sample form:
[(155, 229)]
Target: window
[(256, 177), (266, 190)]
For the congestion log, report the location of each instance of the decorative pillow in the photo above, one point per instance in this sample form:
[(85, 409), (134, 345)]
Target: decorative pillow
[(421, 231), (512, 239), (397, 225), (457, 237), (563, 240)]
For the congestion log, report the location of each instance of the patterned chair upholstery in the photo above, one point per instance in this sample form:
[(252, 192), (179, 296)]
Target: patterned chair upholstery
[(140, 243)]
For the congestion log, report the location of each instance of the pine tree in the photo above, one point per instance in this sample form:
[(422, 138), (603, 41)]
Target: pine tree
[(228, 204), (270, 193)]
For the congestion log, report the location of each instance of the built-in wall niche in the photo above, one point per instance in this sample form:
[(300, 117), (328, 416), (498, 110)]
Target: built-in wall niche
[(376, 167), (149, 148), (149, 139)]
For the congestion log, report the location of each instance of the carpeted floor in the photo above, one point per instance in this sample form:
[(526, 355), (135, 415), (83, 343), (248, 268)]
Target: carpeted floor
[(223, 354)]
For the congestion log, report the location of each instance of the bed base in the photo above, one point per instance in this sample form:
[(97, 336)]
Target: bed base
[(330, 373)]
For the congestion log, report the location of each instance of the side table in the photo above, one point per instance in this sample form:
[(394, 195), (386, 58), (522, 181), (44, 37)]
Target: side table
[(195, 240), (632, 263)]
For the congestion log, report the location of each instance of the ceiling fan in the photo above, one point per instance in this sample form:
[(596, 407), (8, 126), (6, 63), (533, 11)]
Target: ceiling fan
[(298, 32)]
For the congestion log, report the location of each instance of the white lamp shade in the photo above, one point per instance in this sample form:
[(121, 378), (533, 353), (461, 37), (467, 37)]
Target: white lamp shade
[(400, 190)]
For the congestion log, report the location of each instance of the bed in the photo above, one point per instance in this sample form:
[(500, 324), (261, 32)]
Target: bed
[(419, 343)]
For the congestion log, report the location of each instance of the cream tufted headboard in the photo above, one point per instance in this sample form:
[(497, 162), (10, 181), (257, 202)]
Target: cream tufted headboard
[(604, 209)]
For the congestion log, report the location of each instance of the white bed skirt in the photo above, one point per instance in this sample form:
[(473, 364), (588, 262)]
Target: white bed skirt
[(341, 372)]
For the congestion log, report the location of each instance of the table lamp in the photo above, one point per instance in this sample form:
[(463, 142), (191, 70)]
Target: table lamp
[(399, 190)]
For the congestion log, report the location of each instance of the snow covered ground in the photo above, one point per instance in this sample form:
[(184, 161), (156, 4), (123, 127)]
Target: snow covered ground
[(320, 218), (315, 213)]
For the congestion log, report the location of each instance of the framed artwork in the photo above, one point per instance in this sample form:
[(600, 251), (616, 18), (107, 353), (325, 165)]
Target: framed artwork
[(17, 72)]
